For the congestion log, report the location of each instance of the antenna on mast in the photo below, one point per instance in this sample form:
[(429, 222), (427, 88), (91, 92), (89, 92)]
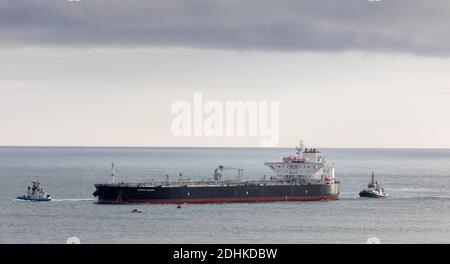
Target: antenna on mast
[(373, 178), (299, 149), (240, 174), (113, 172)]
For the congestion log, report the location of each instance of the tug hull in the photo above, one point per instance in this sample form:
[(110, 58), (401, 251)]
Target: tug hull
[(35, 199), (368, 194)]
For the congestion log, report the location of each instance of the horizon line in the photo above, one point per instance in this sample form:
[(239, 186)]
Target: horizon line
[(223, 147)]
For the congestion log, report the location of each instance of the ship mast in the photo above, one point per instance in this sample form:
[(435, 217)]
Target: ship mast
[(113, 172), (373, 179), (299, 149)]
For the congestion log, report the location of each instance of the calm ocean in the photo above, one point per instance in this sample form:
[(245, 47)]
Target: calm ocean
[(417, 212)]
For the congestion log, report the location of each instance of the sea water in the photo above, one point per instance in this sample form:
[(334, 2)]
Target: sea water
[(418, 210)]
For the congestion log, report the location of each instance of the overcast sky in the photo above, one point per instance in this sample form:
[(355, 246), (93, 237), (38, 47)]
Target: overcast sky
[(348, 73)]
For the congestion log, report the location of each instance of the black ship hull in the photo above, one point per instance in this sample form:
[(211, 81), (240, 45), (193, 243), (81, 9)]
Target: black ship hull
[(368, 194), (135, 193)]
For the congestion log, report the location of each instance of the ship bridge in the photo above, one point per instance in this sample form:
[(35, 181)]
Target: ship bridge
[(308, 166)]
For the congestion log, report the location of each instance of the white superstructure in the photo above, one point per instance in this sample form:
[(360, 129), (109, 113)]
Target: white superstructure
[(309, 166)]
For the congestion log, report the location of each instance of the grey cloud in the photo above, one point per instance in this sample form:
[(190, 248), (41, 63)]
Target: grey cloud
[(407, 26)]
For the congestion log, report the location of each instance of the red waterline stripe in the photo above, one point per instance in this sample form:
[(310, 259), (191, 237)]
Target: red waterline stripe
[(224, 200)]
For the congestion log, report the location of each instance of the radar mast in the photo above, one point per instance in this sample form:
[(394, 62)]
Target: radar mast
[(299, 149)]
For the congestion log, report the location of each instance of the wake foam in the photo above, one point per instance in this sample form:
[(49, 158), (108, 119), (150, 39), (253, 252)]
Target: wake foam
[(74, 200)]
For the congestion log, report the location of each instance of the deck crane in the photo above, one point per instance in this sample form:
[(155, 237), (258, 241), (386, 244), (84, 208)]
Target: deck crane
[(218, 172)]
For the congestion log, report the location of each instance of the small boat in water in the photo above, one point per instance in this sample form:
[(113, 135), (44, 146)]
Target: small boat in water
[(35, 193), (374, 190)]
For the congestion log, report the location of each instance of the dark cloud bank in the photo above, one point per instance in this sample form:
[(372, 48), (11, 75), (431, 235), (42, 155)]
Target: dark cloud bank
[(407, 26)]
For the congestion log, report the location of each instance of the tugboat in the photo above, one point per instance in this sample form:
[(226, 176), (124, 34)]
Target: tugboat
[(35, 193), (373, 190)]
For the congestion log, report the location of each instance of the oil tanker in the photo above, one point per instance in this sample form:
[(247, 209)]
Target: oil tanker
[(303, 177)]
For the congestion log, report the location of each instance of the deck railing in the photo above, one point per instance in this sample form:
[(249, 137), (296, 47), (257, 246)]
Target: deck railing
[(216, 183)]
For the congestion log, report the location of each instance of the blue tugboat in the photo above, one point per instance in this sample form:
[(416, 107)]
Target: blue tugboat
[(35, 193)]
